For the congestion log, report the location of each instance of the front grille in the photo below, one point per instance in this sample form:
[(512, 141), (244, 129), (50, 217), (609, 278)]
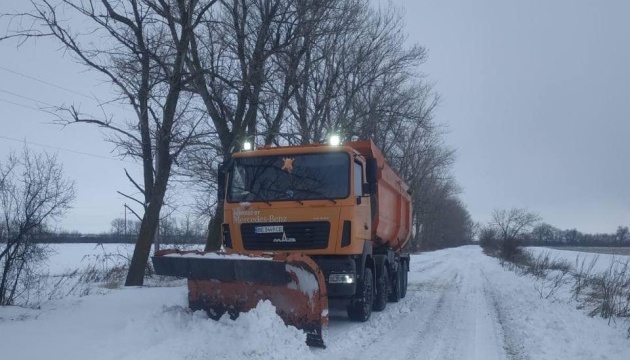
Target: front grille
[(307, 235)]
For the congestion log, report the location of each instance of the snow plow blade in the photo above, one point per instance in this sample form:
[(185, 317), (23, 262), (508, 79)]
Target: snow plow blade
[(222, 283)]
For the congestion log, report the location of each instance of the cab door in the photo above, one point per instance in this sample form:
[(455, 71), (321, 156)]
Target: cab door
[(362, 220)]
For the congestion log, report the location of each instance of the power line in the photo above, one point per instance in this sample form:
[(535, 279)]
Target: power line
[(58, 87), (26, 97), (45, 82), (27, 107), (66, 150)]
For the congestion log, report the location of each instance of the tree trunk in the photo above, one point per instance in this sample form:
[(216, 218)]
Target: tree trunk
[(135, 276), (148, 227), (213, 243)]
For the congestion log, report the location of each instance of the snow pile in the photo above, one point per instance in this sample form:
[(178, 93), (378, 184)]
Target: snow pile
[(147, 324), (176, 333)]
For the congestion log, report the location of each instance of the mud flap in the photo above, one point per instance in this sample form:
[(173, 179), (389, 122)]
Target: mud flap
[(219, 284)]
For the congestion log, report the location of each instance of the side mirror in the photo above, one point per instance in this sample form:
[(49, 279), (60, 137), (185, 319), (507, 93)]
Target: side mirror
[(371, 170), (366, 189)]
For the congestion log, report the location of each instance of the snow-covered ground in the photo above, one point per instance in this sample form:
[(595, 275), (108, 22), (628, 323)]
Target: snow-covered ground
[(461, 304)]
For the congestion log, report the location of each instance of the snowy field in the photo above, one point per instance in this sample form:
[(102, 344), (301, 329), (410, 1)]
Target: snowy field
[(461, 304), (65, 258), (615, 250), (602, 261)]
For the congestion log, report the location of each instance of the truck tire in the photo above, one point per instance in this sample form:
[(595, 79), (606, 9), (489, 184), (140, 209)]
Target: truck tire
[(382, 290), (395, 292), (215, 315), (403, 290), (360, 307)]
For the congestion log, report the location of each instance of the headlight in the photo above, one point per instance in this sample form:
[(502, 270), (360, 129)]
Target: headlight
[(341, 278)]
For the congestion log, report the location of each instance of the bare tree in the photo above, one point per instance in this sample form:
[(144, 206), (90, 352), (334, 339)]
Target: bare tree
[(544, 233), (33, 191), (512, 225), (140, 47), (119, 227), (622, 235)]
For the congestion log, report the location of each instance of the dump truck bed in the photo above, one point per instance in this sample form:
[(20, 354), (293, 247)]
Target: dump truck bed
[(392, 223)]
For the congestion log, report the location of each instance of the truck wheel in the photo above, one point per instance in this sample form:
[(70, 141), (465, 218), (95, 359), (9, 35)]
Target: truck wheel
[(360, 307), (396, 289), (215, 314), (403, 290), (382, 291)]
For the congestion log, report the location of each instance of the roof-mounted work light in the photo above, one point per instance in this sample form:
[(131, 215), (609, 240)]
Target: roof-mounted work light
[(334, 140)]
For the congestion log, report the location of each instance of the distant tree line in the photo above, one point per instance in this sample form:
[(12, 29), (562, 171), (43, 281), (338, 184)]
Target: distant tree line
[(548, 235), (442, 223), (172, 231), (510, 229)]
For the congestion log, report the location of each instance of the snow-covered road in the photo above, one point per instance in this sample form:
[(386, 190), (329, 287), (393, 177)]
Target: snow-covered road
[(449, 313), (461, 304)]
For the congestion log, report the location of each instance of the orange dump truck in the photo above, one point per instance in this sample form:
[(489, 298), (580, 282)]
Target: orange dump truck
[(303, 224)]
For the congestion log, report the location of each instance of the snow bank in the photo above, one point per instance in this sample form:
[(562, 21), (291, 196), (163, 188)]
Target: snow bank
[(147, 324), (176, 333), (553, 328)]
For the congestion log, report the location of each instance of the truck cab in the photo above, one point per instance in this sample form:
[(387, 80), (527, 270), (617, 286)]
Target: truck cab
[(312, 199)]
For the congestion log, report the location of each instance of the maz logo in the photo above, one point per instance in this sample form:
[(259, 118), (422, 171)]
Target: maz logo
[(284, 239)]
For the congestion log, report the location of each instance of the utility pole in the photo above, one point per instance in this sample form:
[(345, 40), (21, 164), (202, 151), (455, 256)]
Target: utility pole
[(125, 220), (156, 236)]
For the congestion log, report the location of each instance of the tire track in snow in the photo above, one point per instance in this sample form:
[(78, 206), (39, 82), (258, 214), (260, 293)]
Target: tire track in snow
[(396, 328), (409, 329), (450, 316), (464, 327), (513, 350)]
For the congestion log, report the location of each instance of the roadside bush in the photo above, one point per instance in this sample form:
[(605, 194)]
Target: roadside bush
[(488, 238), (511, 249), (608, 293), (542, 264), (582, 274), (605, 294)]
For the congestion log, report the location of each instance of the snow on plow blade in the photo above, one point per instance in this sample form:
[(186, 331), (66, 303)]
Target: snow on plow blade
[(219, 283)]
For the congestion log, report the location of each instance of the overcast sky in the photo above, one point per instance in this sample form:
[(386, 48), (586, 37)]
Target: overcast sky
[(535, 95)]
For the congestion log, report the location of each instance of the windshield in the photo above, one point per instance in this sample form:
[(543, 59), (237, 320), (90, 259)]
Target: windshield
[(290, 177)]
